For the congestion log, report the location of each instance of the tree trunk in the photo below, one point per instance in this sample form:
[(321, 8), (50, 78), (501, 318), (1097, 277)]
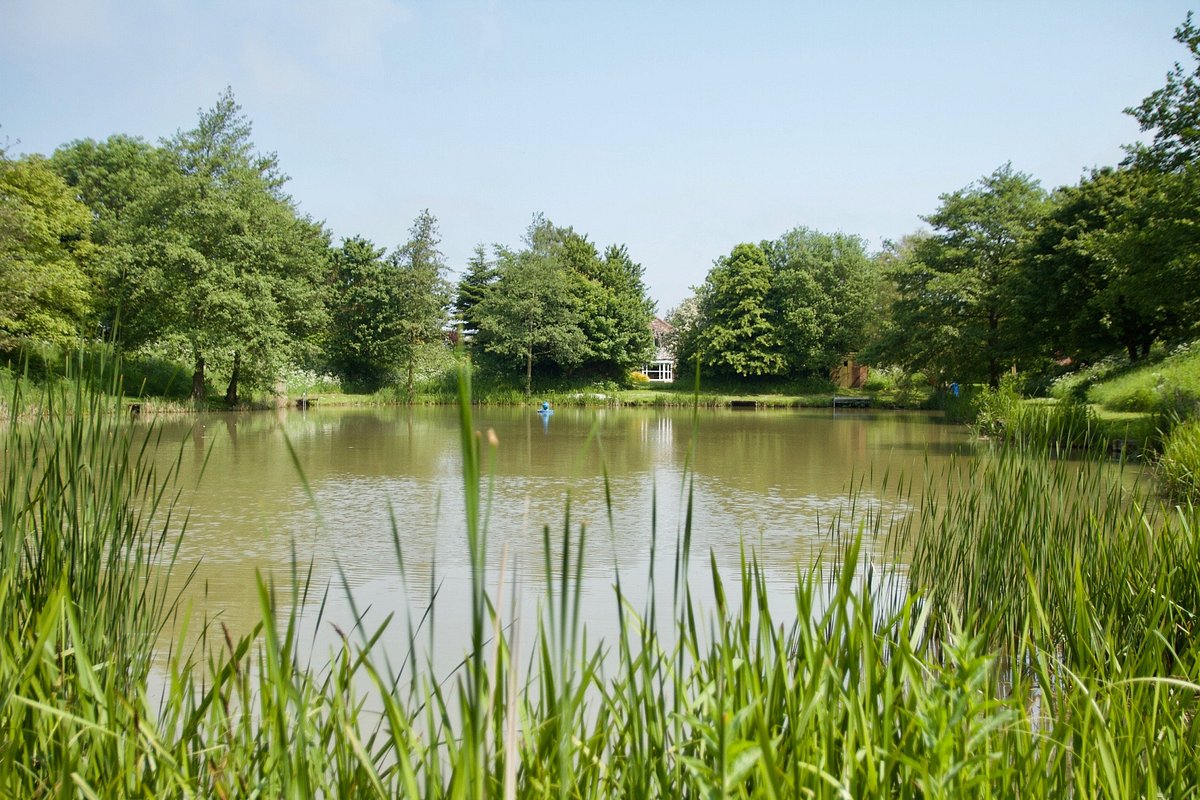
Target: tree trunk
[(198, 379), (231, 391), (412, 361), (992, 344), (528, 373)]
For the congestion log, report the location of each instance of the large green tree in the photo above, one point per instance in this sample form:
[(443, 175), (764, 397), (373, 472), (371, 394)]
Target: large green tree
[(1150, 248), (363, 309), (954, 311), (473, 286), (736, 335), (822, 288), (422, 293), (533, 314), (224, 266), (1095, 279), (112, 177), (1151, 244), (593, 309), (1172, 113), (45, 251), (616, 310)]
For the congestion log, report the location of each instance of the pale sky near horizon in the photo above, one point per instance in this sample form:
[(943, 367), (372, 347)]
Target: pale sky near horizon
[(678, 129)]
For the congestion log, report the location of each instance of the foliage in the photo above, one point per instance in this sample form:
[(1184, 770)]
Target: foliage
[(45, 252), (474, 285), (1024, 539), (1172, 112), (221, 266), (792, 306), (619, 312), (1002, 414), (559, 307), (84, 550), (994, 408), (111, 178), (533, 314), (422, 295), (101, 368), (363, 303), (1154, 244), (956, 288), (1179, 464), (736, 336), (385, 311), (822, 290), (1078, 295)]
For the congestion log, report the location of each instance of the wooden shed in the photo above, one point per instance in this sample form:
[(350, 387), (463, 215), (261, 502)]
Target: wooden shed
[(849, 374)]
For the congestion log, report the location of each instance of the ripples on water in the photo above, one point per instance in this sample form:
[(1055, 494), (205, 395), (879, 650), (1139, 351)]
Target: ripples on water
[(771, 481)]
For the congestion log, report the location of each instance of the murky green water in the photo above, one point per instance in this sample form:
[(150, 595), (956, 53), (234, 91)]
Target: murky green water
[(770, 480)]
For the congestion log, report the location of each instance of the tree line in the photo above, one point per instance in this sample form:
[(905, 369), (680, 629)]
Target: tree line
[(1007, 274), (191, 248)]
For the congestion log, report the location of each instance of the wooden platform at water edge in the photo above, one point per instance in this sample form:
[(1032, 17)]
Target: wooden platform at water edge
[(851, 402)]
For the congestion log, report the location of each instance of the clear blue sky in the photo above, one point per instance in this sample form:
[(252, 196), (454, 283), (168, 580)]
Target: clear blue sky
[(679, 129)]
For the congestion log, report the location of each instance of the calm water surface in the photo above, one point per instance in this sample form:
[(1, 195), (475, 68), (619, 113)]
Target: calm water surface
[(770, 480)]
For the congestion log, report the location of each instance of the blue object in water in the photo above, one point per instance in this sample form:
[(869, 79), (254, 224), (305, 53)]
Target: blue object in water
[(545, 409)]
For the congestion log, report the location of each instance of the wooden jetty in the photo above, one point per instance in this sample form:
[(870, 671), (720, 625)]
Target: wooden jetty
[(743, 405), (851, 402)]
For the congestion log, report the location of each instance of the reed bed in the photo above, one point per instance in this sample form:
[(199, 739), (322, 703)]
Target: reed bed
[(1039, 643), (1179, 465)]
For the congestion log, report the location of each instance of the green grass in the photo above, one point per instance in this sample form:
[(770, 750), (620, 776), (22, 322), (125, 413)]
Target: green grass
[(1179, 465), (1165, 383), (1041, 642)]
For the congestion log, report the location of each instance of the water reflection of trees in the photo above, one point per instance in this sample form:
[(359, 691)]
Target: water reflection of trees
[(769, 479)]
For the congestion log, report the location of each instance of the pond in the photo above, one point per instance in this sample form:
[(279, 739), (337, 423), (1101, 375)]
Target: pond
[(362, 481)]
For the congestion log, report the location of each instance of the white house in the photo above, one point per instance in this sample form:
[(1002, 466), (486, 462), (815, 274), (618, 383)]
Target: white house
[(662, 368)]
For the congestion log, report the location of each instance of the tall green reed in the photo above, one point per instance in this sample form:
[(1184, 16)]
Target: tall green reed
[(1039, 643)]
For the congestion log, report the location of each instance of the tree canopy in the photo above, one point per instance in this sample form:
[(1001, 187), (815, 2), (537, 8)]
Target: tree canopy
[(46, 289), (221, 263), (558, 306), (191, 248), (954, 310), (736, 336)]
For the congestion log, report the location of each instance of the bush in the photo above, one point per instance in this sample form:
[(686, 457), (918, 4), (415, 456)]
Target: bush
[(874, 384), (994, 408), (1179, 466), (301, 381), (638, 378)]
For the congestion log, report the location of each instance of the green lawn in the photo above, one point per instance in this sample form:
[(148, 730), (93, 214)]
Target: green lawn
[(1169, 382)]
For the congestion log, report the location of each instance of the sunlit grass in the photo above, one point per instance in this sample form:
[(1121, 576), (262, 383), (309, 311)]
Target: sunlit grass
[(1179, 465)]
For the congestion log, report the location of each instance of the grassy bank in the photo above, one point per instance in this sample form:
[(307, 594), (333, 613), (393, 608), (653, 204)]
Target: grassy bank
[(1166, 382), (601, 394), (1041, 643), (763, 393)]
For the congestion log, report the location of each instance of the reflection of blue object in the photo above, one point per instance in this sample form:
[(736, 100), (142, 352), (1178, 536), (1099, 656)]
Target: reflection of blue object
[(954, 389)]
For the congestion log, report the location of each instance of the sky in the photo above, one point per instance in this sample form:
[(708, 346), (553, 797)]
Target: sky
[(677, 129)]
